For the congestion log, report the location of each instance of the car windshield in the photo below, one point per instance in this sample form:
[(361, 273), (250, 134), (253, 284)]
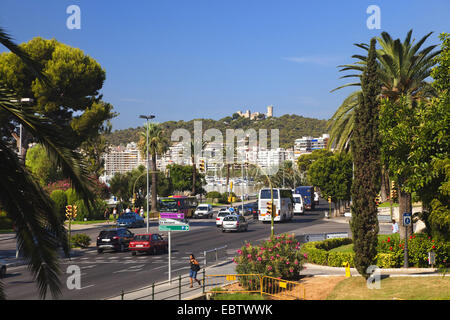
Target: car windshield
[(128, 216), (107, 234), (230, 218), (297, 200), (202, 208), (223, 213), (142, 237)]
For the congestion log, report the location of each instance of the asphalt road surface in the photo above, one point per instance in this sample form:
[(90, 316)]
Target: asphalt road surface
[(107, 274)]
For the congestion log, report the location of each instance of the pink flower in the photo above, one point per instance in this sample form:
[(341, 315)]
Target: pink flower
[(305, 255), (239, 251), (287, 262), (272, 257), (259, 259), (278, 255), (291, 270), (249, 256), (269, 268), (296, 262)]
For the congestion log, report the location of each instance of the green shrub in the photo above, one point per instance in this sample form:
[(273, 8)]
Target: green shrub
[(59, 198), (80, 240), (213, 195), (390, 252)]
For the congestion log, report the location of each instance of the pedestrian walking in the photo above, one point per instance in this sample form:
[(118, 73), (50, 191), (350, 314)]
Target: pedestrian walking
[(114, 214), (394, 226), (195, 267), (106, 215)]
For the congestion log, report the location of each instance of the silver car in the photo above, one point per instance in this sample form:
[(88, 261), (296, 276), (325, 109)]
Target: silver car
[(234, 223)]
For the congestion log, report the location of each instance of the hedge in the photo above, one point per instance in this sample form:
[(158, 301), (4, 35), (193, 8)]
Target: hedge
[(390, 252)]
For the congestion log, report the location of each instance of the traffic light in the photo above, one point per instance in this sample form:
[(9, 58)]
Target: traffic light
[(393, 190), (377, 199), (202, 165), (269, 207), (69, 211), (329, 199)]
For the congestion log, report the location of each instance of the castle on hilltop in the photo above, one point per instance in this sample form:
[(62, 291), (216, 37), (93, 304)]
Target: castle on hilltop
[(256, 115)]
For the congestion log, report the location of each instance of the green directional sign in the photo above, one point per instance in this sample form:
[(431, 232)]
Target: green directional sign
[(181, 227)]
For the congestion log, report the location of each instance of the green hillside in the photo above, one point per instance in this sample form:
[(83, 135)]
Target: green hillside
[(291, 127)]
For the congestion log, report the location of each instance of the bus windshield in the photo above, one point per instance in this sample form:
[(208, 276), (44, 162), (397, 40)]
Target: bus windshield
[(265, 194), (170, 205)]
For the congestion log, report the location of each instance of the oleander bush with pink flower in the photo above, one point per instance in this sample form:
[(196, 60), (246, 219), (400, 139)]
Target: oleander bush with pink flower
[(278, 257)]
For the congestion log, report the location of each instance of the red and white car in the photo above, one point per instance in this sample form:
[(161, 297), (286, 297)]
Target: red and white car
[(148, 243)]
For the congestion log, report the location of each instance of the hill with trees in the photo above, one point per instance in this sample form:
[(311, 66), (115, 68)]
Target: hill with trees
[(290, 127)]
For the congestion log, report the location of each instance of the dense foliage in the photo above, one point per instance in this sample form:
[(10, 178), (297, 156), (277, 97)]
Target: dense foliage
[(291, 127), (278, 257), (365, 146)]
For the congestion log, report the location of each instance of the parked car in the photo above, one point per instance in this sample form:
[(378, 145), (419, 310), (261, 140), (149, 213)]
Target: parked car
[(204, 210), (234, 223), (131, 220), (2, 270), (117, 239), (148, 243), (222, 213)]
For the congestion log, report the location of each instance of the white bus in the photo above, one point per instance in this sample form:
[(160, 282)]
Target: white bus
[(283, 205)]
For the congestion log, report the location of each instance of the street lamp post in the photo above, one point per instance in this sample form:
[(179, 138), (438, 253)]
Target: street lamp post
[(148, 165)]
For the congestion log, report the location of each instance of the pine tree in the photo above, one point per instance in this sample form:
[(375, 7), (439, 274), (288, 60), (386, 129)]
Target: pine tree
[(365, 146)]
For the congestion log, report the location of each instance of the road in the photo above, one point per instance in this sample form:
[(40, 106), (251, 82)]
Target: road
[(105, 275)]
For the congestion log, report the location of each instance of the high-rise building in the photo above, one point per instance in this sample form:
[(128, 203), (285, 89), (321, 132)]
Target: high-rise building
[(269, 111)]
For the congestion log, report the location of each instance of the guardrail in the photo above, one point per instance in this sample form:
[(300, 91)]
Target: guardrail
[(214, 255), (256, 284), (167, 290)]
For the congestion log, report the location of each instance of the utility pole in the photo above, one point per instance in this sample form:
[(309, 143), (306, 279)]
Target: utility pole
[(148, 165)]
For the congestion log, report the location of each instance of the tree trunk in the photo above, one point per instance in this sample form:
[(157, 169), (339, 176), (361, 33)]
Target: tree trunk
[(154, 184), (385, 185), (194, 169), (405, 206)]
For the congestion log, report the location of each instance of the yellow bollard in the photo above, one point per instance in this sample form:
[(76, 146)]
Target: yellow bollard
[(347, 269)]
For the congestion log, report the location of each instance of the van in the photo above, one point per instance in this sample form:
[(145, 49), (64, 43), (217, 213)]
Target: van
[(298, 204)]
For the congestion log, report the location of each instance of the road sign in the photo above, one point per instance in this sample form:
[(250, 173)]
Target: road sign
[(171, 215), (167, 221), (407, 219), (180, 227)]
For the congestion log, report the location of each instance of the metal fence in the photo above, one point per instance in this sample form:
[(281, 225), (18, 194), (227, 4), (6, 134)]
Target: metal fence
[(256, 284), (176, 289), (214, 255)]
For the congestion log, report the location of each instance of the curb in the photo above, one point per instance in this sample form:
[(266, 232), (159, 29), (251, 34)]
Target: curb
[(387, 270)]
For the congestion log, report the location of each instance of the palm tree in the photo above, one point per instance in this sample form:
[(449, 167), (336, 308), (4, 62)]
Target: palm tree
[(38, 226), (402, 71), (158, 145), (403, 68)]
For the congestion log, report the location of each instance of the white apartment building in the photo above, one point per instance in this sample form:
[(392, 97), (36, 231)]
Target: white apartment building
[(121, 159), (309, 144)]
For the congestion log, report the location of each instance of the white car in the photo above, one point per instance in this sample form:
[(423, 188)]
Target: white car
[(204, 210), (222, 214)]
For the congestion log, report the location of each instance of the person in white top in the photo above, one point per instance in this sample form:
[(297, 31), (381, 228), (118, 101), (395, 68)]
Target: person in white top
[(141, 212), (394, 226)]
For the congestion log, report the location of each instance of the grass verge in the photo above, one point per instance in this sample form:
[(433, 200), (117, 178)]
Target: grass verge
[(402, 288)]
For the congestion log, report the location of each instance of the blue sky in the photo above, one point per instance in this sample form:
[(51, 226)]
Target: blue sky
[(182, 60)]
